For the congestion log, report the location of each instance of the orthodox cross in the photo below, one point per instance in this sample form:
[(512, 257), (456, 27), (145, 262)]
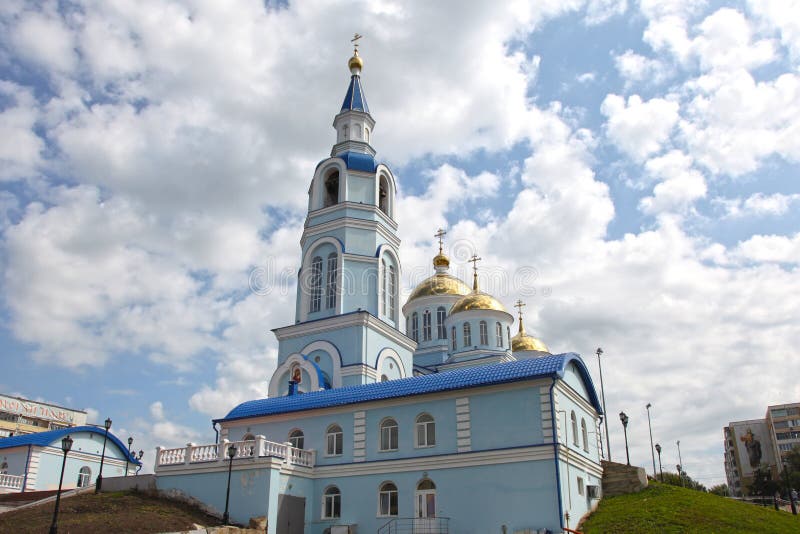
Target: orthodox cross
[(519, 305), (440, 236), (474, 259), (354, 40)]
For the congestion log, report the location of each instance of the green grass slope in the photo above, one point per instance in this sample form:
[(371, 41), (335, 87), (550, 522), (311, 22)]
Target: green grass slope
[(664, 509)]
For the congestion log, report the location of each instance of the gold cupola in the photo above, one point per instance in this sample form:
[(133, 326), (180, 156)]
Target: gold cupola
[(477, 299), (441, 283), (522, 341)]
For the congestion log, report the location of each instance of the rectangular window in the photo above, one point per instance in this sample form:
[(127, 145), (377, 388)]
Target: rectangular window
[(383, 288), (333, 506), (388, 503), (334, 447), (782, 424), (441, 331), (316, 284), (781, 412), (415, 326), (389, 438), (467, 335), (426, 326), (484, 333), (392, 289), (331, 285), (581, 489), (498, 330), (426, 434)]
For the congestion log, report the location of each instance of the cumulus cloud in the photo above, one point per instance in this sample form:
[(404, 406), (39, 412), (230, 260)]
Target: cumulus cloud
[(639, 128), (635, 67), (758, 204), (679, 184)]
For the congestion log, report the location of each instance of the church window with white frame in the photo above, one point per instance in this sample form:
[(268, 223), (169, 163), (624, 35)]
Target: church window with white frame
[(384, 283), (389, 433), (297, 439), (585, 435), (467, 335), (330, 290), (387, 500), (441, 330), (334, 439), (84, 476), (484, 330), (392, 290), (574, 429), (453, 336), (426, 325), (332, 503), (498, 330), (581, 486), (316, 284), (426, 430), (415, 326)]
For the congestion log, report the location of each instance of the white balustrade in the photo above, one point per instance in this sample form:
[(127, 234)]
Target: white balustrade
[(253, 448), (13, 482)]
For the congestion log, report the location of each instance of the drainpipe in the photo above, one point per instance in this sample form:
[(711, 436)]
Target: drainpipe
[(216, 432), (27, 464), (555, 453)]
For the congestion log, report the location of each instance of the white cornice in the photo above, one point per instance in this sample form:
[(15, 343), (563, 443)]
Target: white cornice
[(354, 206), (338, 322), (580, 461), (574, 396)]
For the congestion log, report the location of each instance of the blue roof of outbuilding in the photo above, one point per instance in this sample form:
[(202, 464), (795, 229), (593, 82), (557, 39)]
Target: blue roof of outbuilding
[(358, 161), (485, 375), (43, 439), (355, 99)]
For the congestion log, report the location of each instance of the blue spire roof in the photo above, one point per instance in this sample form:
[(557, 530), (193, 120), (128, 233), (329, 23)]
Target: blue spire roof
[(485, 375), (53, 438), (355, 100)]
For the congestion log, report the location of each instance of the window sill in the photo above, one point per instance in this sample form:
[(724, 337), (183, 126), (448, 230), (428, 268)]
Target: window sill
[(424, 446), (338, 455), (388, 450)]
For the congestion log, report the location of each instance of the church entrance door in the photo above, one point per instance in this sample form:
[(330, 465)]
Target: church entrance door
[(291, 514), (425, 507)]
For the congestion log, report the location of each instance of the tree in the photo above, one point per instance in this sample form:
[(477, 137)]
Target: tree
[(719, 489), (763, 485), (686, 481)]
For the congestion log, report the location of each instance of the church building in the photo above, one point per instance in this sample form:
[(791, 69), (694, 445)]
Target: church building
[(380, 417)]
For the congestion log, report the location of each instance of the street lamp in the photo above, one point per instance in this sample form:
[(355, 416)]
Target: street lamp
[(231, 454), (680, 473), (99, 481), (66, 445), (660, 469), (789, 488), (624, 418), (650, 426), (139, 457), (603, 394), (130, 444)]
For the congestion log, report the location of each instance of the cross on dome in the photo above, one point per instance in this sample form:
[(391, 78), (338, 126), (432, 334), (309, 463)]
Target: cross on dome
[(440, 236), (519, 305), (474, 259)]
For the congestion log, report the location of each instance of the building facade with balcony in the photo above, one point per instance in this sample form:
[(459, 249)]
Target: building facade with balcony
[(447, 425)]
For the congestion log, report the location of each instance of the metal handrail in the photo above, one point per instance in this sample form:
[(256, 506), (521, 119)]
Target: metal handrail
[(416, 525)]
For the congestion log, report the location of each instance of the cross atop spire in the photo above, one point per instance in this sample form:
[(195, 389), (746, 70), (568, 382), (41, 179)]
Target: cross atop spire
[(519, 305), (354, 40), (474, 259), (440, 236)]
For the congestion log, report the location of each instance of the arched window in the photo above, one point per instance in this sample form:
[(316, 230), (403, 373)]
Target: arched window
[(484, 330), (408, 326), (574, 428), (426, 325), (331, 282), (415, 326), (297, 439), (508, 333), (441, 315), (498, 331), (331, 189), (366, 134), (467, 335), (383, 195), (453, 337), (585, 435), (387, 500), (84, 476), (316, 284), (384, 286), (356, 131), (332, 503), (392, 290), (426, 430), (334, 439), (346, 132), (425, 504), (389, 435)]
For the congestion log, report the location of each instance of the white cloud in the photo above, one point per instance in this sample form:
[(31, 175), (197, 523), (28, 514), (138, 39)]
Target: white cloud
[(639, 128), (784, 16), (44, 39), (758, 204), (725, 43), (770, 248), (679, 184), (634, 67), (20, 151)]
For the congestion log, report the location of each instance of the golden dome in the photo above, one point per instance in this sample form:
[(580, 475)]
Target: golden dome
[(477, 300), (522, 342), (439, 284), (355, 62), (440, 260)]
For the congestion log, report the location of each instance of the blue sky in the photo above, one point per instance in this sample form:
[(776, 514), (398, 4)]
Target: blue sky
[(640, 157)]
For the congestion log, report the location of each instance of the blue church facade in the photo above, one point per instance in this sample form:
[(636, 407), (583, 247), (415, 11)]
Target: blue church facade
[(429, 416)]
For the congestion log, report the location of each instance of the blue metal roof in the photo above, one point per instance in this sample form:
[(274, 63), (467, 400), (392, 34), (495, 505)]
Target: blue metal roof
[(485, 375), (355, 99), (358, 161), (53, 438)]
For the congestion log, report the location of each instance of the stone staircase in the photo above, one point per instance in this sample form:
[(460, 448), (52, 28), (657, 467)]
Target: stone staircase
[(619, 479)]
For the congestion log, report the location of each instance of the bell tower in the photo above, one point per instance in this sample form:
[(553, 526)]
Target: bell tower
[(348, 292)]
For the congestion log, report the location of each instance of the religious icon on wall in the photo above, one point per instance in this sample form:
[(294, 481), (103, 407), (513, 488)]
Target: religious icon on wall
[(753, 447), (297, 375)]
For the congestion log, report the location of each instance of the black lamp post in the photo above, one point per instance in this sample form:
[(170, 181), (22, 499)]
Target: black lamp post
[(650, 426), (680, 472), (130, 444), (139, 457), (603, 395), (660, 469), (790, 490), (231, 454), (99, 482), (680, 465), (624, 418), (66, 445)]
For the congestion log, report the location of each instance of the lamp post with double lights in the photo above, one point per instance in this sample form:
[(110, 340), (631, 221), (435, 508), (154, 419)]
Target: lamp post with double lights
[(660, 469), (650, 426), (130, 444), (624, 418), (66, 445), (603, 395), (99, 482), (231, 454)]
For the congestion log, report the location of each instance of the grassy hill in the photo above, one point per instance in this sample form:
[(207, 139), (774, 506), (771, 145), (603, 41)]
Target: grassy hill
[(107, 512), (662, 509)]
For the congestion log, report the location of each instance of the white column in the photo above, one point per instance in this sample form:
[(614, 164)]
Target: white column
[(188, 458), (261, 445)]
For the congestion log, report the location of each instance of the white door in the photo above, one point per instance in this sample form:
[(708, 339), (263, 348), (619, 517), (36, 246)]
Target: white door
[(425, 513)]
